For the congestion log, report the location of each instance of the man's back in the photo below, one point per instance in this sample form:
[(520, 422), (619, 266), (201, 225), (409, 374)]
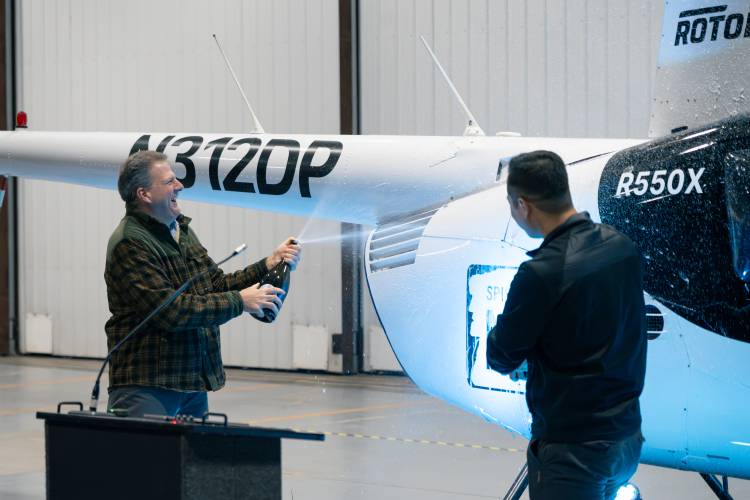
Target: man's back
[(575, 312), (587, 364)]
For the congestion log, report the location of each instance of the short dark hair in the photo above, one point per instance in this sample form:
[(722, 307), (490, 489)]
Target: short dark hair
[(541, 178), (136, 173)]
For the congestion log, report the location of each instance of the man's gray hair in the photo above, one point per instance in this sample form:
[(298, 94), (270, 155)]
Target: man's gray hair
[(136, 173)]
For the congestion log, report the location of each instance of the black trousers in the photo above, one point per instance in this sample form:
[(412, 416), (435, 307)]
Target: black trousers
[(592, 470)]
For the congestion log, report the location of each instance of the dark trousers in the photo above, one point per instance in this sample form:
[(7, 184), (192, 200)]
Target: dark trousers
[(592, 470), (136, 401)]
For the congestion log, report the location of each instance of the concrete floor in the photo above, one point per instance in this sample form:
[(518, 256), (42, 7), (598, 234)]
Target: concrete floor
[(384, 438)]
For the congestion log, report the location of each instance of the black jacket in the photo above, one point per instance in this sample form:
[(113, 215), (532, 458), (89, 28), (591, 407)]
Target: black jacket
[(575, 311)]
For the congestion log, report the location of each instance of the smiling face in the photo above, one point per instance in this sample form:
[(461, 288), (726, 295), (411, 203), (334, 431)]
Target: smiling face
[(160, 199)]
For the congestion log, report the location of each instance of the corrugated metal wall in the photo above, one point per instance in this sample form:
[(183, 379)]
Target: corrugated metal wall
[(539, 67), (567, 68), (153, 66)]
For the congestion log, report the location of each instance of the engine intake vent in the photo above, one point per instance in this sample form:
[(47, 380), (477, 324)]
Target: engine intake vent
[(654, 322), (395, 244)]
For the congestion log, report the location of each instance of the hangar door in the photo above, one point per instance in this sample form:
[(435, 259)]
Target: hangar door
[(153, 66)]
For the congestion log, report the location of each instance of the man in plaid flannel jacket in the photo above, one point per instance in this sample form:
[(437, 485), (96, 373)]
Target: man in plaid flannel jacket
[(167, 368)]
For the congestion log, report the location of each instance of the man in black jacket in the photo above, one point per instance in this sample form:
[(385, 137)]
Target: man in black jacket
[(575, 313)]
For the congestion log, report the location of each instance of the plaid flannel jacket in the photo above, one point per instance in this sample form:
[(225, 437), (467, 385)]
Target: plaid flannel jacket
[(179, 348)]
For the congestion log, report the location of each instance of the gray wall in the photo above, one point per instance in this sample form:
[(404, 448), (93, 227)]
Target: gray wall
[(567, 68), (153, 66), (572, 68)]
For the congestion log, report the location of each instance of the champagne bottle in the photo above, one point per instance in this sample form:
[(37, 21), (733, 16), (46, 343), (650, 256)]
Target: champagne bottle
[(279, 276)]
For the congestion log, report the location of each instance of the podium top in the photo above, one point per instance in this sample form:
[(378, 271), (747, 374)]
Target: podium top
[(164, 424)]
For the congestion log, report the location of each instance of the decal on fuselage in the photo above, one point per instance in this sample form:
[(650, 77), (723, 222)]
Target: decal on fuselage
[(710, 24), (290, 147), (683, 200), (486, 292), (660, 182)]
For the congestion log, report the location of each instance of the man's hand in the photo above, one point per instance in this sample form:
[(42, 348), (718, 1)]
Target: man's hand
[(255, 299), (520, 373), (289, 251)]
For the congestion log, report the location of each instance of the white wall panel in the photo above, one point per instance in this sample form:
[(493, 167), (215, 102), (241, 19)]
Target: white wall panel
[(573, 68), (568, 68), (153, 66), (546, 68)]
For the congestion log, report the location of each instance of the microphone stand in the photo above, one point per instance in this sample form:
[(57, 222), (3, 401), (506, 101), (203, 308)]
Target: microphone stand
[(95, 391)]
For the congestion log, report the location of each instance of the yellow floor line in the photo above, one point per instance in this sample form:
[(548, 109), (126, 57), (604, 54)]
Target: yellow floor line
[(55, 381), (6, 412), (252, 388), (343, 411), (410, 440)]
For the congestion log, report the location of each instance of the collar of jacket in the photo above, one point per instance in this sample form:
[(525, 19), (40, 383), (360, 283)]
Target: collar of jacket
[(150, 222), (573, 220)]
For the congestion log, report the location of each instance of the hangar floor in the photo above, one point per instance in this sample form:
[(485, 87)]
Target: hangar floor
[(384, 437)]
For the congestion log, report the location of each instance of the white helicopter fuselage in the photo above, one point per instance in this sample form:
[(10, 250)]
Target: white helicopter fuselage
[(438, 308)]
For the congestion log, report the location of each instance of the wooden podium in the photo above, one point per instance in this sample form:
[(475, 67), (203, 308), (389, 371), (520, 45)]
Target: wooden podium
[(96, 456)]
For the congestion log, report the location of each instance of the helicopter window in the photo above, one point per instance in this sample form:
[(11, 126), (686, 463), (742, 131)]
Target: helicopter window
[(737, 185)]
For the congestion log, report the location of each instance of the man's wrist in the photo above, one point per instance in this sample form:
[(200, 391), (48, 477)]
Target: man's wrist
[(238, 305), (270, 262)]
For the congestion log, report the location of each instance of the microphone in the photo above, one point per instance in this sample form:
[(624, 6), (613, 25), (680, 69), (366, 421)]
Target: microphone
[(95, 391)]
